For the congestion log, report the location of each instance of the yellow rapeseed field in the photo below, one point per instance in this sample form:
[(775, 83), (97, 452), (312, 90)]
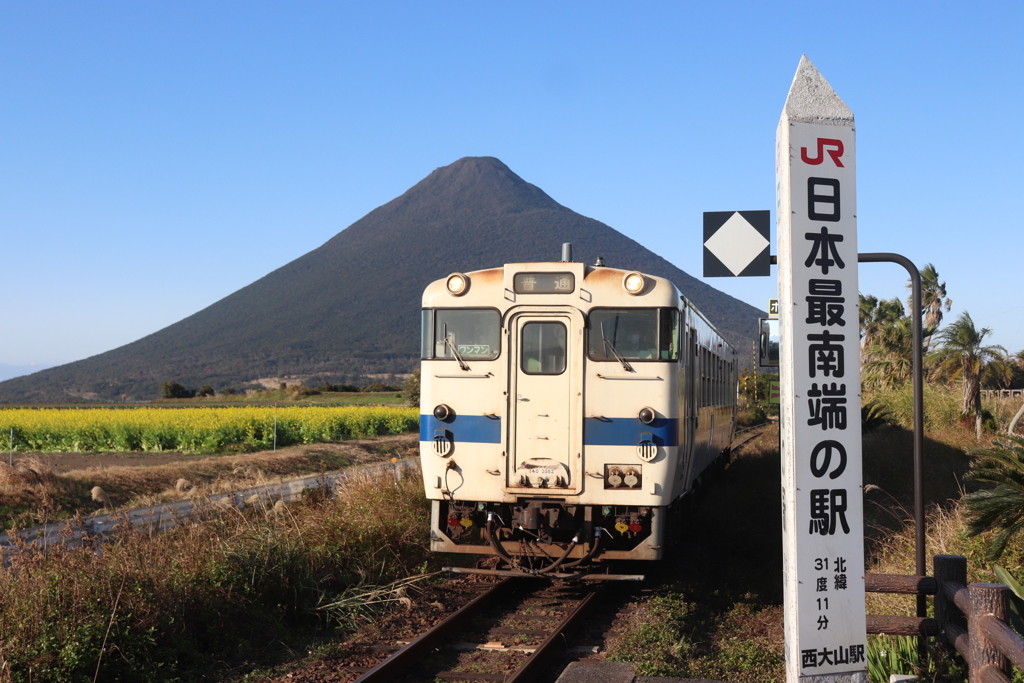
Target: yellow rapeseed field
[(195, 430)]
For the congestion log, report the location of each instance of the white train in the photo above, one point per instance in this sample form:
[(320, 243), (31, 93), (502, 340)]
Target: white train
[(568, 412)]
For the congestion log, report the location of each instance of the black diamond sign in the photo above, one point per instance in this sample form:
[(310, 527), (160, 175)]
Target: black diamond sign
[(737, 243)]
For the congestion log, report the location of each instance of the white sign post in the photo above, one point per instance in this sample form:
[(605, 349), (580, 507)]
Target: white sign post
[(823, 527)]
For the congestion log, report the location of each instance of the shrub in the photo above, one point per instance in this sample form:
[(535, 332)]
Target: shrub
[(873, 416), (411, 389), (174, 390), (941, 405), (752, 416), (327, 387), (999, 509), (299, 392), (377, 388)]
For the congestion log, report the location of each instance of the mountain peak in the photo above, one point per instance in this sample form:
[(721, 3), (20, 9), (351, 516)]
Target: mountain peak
[(351, 307), (479, 180)]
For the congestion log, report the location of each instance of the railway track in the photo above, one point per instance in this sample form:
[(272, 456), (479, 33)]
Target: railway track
[(742, 436), (503, 634)]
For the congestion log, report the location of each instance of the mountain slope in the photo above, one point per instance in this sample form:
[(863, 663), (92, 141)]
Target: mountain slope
[(351, 306)]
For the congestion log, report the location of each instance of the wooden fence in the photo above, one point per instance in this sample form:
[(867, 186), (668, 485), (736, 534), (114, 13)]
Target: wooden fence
[(970, 618)]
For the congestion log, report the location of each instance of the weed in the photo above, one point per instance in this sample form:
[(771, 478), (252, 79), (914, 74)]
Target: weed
[(362, 603)]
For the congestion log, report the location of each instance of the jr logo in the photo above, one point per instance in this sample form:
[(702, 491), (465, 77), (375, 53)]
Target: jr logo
[(823, 143)]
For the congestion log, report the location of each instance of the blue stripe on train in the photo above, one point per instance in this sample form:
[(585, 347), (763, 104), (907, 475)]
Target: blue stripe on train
[(627, 431), (605, 431), (463, 428)]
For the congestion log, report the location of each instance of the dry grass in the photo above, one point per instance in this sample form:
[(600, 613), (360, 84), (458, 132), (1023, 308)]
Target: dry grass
[(212, 598), (1003, 409), (33, 492)]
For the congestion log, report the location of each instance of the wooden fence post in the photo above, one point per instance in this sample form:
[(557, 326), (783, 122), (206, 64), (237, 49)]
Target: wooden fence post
[(988, 600), (951, 568)]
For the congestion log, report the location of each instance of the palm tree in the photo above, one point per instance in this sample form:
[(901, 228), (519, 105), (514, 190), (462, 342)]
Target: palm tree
[(1018, 362), (889, 359), (962, 355), (876, 315), (933, 300), (1000, 508)]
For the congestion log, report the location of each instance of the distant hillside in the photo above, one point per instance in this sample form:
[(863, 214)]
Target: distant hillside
[(351, 306)]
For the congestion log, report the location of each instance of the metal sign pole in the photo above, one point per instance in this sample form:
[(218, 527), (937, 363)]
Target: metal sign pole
[(823, 527)]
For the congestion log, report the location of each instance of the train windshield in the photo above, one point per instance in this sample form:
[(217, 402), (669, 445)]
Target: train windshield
[(472, 333), (633, 334)]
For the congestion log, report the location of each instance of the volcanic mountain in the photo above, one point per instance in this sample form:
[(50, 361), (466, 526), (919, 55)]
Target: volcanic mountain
[(351, 306)]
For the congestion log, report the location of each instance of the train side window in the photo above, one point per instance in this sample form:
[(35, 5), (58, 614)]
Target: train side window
[(719, 383), (668, 331), (708, 377), (426, 333), (682, 343), (474, 332), (709, 397), (542, 348), (703, 377)]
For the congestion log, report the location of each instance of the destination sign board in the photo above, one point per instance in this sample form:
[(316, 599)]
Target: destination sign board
[(544, 283)]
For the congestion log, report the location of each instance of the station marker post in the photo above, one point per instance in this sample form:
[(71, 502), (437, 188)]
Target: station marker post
[(822, 489)]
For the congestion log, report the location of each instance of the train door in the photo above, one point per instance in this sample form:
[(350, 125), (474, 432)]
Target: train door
[(545, 400)]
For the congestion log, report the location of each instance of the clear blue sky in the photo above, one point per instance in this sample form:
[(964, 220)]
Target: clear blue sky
[(155, 157)]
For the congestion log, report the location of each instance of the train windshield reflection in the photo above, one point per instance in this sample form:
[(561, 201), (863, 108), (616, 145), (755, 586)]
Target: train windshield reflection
[(475, 333), (633, 333)]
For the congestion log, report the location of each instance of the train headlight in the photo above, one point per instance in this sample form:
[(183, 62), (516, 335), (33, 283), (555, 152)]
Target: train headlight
[(457, 284), (646, 415), (443, 412), (634, 283)]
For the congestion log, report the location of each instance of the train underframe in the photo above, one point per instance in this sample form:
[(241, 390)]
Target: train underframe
[(538, 535)]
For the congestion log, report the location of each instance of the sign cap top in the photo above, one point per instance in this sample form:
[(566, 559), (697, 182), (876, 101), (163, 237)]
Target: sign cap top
[(812, 100)]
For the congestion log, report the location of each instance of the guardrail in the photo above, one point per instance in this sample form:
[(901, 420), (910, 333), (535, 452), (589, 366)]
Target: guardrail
[(1002, 393), (971, 618), (158, 518)]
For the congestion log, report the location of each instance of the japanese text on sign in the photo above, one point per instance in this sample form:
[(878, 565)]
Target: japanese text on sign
[(544, 283)]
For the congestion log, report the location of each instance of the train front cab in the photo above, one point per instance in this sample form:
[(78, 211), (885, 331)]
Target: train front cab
[(534, 433)]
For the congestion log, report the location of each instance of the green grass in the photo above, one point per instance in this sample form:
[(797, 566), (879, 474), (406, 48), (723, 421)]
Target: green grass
[(716, 608)]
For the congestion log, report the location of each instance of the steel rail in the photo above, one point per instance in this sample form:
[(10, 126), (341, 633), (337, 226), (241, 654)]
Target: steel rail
[(582, 576), (404, 659), (398, 662), (528, 669)]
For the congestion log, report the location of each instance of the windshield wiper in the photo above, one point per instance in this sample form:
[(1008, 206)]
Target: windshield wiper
[(625, 365), (455, 352)]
